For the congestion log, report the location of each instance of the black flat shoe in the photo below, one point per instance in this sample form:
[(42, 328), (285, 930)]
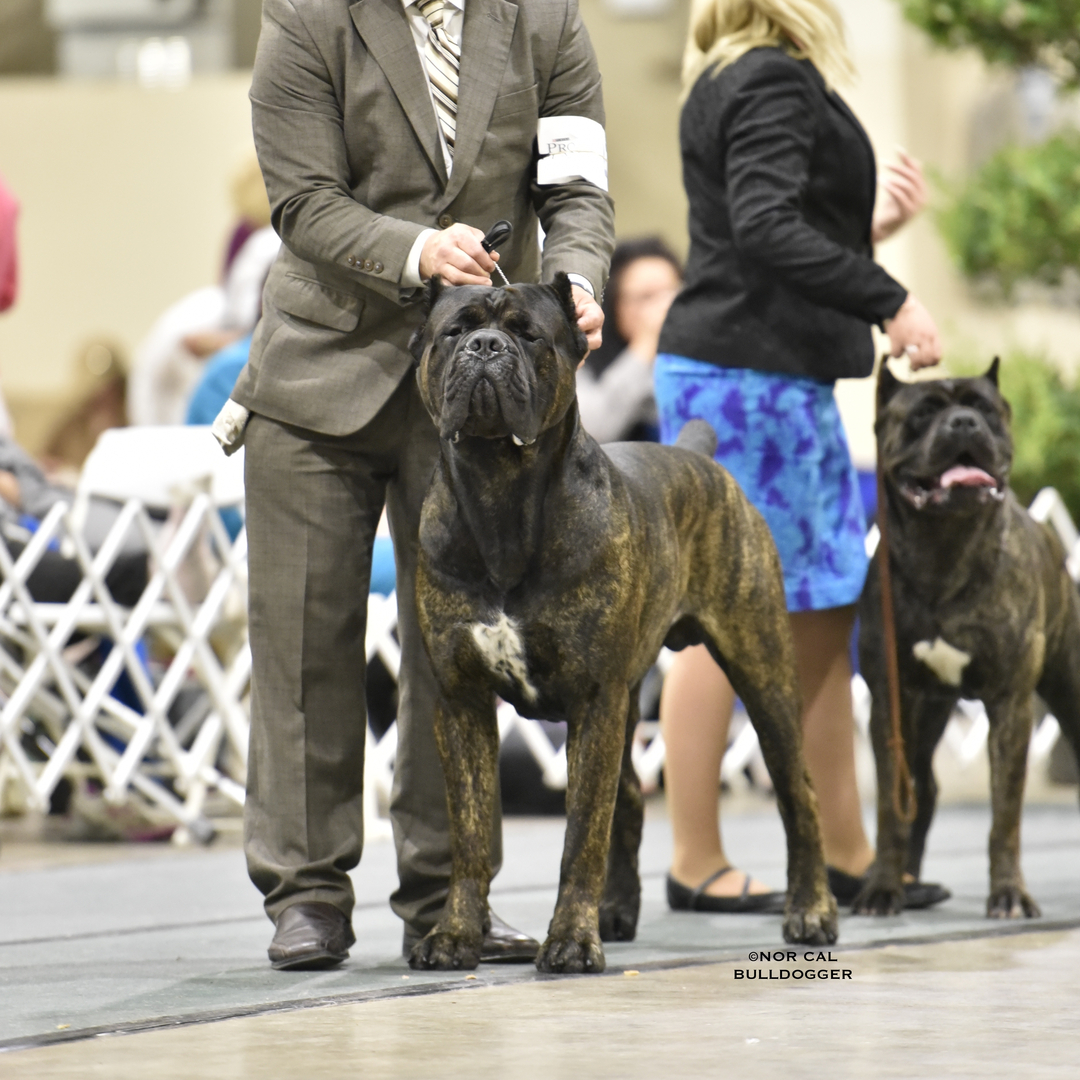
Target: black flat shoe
[(918, 895), (682, 898), (310, 935)]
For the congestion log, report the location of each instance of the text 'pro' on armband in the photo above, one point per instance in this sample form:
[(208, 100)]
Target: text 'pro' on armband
[(571, 148)]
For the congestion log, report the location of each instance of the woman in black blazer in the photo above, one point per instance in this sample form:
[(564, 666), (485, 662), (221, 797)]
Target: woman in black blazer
[(780, 294)]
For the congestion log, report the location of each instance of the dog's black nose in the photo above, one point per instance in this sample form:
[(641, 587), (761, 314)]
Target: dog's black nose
[(486, 342), (963, 422)]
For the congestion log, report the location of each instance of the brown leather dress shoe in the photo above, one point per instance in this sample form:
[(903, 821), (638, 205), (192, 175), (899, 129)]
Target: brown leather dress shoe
[(310, 935), (505, 945)]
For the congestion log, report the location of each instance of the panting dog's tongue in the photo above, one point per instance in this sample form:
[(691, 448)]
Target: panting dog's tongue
[(966, 476)]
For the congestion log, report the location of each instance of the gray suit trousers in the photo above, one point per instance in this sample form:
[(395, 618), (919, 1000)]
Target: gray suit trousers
[(313, 505)]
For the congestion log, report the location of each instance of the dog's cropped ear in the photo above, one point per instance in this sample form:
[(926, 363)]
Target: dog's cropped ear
[(431, 294), (887, 385), (992, 371), (434, 291), (562, 287), (416, 343), (564, 291)]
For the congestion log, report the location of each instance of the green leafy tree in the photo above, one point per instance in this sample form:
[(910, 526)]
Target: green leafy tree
[(1018, 217), (1013, 32)]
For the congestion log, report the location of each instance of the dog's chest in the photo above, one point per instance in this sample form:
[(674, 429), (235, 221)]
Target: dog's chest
[(501, 646)]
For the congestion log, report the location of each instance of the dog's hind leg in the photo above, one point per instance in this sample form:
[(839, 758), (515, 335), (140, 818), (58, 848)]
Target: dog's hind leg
[(755, 649), (1060, 688), (1010, 734), (621, 904), (467, 734), (594, 752)]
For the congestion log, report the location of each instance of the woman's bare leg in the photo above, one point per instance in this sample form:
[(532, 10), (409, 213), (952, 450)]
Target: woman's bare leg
[(695, 712), (821, 651)]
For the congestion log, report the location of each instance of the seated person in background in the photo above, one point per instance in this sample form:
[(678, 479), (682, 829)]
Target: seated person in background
[(26, 496), (170, 359), (615, 384), (211, 393)]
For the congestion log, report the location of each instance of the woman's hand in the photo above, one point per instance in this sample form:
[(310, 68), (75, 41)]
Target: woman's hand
[(904, 194), (913, 332)]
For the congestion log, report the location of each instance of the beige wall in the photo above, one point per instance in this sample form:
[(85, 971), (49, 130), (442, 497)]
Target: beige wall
[(124, 210)]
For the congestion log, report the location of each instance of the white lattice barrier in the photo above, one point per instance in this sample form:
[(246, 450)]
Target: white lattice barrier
[(42, 680)]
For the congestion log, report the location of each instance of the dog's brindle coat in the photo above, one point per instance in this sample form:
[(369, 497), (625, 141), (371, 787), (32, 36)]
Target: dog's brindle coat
[(550, 573), (984, 609)]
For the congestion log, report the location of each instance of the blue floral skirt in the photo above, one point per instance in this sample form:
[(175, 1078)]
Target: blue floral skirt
[(781, 437)]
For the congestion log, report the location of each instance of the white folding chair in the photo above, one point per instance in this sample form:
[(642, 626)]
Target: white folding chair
[(128, 747)]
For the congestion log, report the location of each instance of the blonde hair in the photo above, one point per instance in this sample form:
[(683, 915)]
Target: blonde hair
[(723, 30)]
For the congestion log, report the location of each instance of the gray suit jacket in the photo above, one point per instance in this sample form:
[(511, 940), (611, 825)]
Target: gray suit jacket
[(347, 140)]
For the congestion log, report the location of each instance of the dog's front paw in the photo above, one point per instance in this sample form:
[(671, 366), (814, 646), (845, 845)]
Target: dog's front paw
[(619, 918), (443, 950), (813, 924), (572, 954), (879, 896), (1011, 902)]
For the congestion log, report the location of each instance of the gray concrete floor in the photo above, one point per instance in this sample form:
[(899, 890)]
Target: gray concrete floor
[(999, 1007), (155, 943)]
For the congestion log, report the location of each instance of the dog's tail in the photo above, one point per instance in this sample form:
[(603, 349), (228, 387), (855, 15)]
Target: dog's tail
[(697, 435)]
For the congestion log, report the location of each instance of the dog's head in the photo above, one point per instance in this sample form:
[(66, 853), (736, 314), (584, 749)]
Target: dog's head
[(944, 444), (498, 363)]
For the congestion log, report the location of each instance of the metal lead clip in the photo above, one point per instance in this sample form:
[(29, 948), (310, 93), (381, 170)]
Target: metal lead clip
[(498, 234)]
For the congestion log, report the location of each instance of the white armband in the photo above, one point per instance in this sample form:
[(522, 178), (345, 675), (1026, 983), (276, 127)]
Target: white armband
[(571, 148)]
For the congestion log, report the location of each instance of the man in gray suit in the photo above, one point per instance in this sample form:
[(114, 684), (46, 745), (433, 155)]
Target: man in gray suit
[(391, 134)]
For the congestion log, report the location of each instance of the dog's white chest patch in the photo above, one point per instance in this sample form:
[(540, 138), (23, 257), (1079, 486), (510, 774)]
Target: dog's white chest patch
[(504, 652), (946, 661)]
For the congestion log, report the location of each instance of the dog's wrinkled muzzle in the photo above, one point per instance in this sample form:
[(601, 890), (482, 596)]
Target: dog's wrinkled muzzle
[(488, 390)]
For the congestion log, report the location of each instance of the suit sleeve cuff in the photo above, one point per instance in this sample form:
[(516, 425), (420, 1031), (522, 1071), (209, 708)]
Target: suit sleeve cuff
[(583, 282), (410, 276)]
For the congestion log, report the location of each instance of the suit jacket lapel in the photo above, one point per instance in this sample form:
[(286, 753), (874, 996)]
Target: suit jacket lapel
[(386, 33), (485, 49)]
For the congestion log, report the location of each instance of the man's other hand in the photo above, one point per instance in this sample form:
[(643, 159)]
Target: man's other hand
[(456, 256), (590, 316)]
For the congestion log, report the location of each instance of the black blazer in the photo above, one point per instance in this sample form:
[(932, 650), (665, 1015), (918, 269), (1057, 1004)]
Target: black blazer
[(781, 182)]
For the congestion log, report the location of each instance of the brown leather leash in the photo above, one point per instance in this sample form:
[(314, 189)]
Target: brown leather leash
[(903, 792)]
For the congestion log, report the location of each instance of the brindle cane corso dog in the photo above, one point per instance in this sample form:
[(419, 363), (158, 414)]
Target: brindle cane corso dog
[(984, 609), (551, 571)]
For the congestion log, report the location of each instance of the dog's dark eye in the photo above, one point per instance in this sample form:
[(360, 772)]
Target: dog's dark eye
[(923, 413), (979, 404)]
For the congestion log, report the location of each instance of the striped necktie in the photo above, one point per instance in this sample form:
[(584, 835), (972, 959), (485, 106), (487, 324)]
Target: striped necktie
[(442, 58)]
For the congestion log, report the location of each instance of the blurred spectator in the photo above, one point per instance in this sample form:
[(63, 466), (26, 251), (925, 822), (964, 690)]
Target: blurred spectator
[(97, 402), (250, 206), (26, 496), (615, 384), (169, 361), (9, 272), (9, 276)]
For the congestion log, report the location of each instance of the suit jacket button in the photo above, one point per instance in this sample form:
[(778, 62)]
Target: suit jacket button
[(445, 221), (351, 260), (368, 264), (378, 268)]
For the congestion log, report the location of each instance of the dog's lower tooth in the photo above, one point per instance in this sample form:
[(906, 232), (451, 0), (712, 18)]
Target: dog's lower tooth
[(517, 441)]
